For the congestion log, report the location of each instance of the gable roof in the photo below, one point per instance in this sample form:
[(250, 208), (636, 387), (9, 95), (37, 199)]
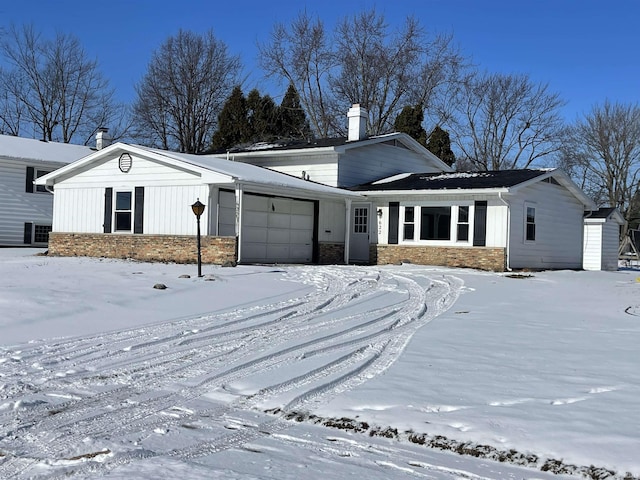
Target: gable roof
[(19, 148), (494, 181), (332, 145), (203, 165), (452, 181), (603, 214)]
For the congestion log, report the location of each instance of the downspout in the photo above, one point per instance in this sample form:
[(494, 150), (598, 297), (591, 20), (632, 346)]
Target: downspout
[(508, 247), (239, 192), (347, 230)]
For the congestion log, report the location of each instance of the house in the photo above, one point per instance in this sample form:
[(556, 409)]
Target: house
[(128, 201), (316, 202), (26, 209), (343, 162), (602, 239), (496, 220)]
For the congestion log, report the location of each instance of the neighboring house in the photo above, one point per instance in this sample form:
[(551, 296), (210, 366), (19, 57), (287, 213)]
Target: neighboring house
[(26, 209), (602, 239), (497, 220), (134, 202)]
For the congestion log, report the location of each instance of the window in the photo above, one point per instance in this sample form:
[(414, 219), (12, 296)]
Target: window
[(409, 223), (435, 223), (530, 234), (123, 212), (463, 224), (360, 220), (41, 233)]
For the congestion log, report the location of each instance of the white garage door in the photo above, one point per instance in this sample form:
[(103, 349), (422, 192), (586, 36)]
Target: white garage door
[(276, 230)]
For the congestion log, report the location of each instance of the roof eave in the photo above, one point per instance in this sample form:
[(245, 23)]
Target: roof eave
[(443, 191)]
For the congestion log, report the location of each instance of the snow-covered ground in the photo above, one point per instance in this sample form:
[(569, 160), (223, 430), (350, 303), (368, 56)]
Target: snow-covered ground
[(287, 372)]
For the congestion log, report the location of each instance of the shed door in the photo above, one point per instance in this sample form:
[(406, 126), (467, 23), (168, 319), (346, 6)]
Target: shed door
[(276, 230)]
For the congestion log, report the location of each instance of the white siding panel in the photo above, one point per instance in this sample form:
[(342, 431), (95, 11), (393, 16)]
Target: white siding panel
[(321, 168), (331, 221), (610, 246), (559, 228), (367, 164), (143, 172), (78, 210), (167, 209), (496, 224), (226, 213)]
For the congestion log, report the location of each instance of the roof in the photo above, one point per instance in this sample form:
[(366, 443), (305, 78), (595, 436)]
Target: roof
[(39, 150), (604, 214), (453, 181), (279, 145), (236, 172)]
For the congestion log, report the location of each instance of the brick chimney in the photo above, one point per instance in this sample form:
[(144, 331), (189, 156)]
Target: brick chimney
[(357, 123), (103, 139)]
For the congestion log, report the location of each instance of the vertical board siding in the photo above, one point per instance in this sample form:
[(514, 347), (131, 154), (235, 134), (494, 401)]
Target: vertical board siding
[(168, 209), (592, 252), (610, 246), (78, 210)]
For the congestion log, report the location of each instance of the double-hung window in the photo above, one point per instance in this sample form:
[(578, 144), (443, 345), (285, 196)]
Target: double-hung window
[(409, 223), (530, 223), (122, 212), (463, 224)]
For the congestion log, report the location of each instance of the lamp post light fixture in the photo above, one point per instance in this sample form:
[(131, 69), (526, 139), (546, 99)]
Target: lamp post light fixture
[(198, 210)]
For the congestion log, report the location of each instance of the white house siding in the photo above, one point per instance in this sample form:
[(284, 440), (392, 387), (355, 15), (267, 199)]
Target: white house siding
[(78, 210), (610, 246), (167, 209), (559, 228), (320, 168), (18, 206), (601, 243), (331, 221), (373, 162)]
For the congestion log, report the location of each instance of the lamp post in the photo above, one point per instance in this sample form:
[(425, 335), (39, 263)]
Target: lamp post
[(198, 210)]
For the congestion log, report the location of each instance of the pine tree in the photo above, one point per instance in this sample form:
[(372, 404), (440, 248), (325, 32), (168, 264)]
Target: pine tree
[(293, 121), (262, 117), (440, 145), (409, 121), (233, 125)]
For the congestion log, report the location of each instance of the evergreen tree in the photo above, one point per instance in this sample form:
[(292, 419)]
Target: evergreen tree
[(409, 121), (440, 145), (262, 118), (293, 121), (233, 125)]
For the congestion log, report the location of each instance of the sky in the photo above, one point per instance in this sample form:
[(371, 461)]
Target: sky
[(103, 375), (586, 50)]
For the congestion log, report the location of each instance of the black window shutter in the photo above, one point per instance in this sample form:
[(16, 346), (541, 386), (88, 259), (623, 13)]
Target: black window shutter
[(28, 229), (28, 187), (138, 213), (108, 203), (480, 224), (394, 218)]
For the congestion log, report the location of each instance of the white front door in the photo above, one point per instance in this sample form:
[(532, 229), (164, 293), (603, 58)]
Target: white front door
[(359, 235)]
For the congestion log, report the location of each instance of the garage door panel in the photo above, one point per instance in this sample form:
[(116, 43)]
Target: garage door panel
[(255, 203), (302, 208), (279, 236), (301, 222), (255, 252), (252, 234), (256, 219), (300, 253), (304, 237), (281, 205), (279, 220)]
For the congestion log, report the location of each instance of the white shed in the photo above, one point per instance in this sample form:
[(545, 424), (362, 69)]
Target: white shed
[(601, 239)]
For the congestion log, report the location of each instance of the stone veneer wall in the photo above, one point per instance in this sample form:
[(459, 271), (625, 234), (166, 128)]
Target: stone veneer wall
[(157, 248), (482, 258), (331, 253)]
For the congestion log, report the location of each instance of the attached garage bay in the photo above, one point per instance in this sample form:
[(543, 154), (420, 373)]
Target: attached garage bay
[(274, 229)]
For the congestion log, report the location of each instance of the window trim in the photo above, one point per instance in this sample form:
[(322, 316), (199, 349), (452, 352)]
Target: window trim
[(527, 223), (460, 223), (406, 223), (115, 211)]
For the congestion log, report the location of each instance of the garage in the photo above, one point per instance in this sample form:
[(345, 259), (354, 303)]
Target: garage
[(276, 230)]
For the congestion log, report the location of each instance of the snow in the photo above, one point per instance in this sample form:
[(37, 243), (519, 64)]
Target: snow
[(31, 149), (287, 372)]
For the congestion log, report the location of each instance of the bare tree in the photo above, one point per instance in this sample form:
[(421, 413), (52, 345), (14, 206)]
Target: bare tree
[(62, 92), (187, 82), (302, 56), (506, 121), (363, 62), (604, 155), (12, 110)]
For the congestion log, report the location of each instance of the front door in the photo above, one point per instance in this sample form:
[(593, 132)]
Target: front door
[(359, 235)]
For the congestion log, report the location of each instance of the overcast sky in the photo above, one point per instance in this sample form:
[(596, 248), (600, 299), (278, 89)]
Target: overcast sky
[(587, 50)]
